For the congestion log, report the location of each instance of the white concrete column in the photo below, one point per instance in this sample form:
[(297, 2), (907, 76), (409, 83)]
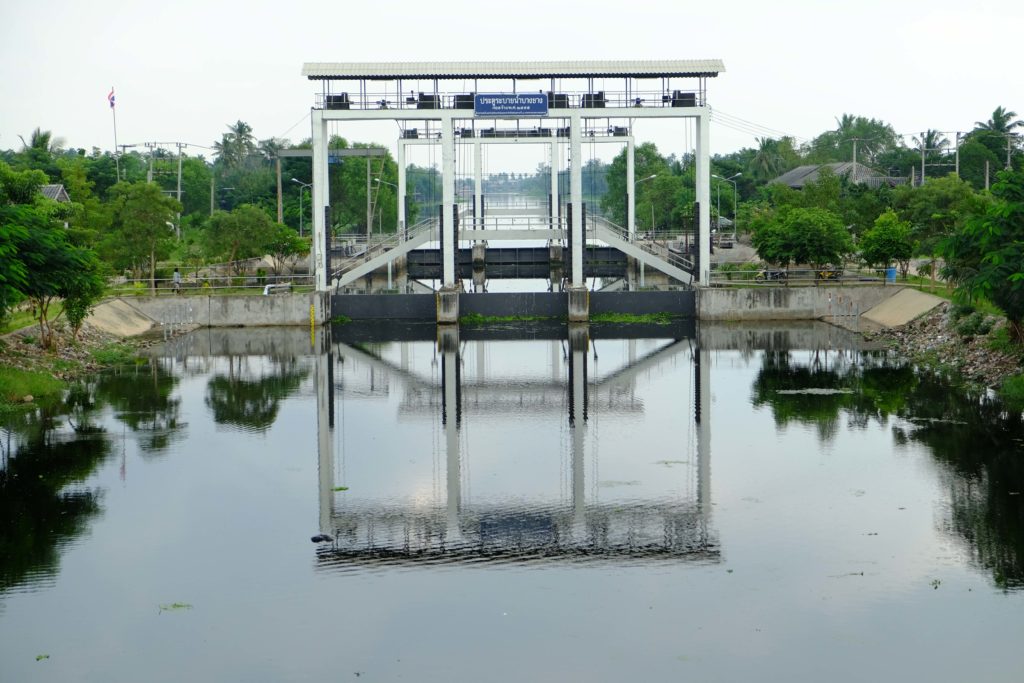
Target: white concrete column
[(478, 184), (553, 208), (401, 191), (321, 198), (631, 189), (703, 168), (576, 198), (448, 201)]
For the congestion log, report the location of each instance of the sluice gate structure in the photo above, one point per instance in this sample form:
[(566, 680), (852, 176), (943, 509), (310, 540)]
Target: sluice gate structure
[(461, 107)]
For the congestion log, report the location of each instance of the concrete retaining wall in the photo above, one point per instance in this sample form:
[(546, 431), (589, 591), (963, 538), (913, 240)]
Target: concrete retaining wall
[(233, 311), (789, 303)]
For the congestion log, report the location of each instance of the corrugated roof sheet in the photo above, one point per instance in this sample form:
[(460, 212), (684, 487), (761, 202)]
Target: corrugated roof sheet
[(574, 69), (55, 192), (801, 175)]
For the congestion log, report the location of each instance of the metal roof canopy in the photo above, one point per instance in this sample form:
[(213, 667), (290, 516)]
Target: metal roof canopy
[(691, 68)]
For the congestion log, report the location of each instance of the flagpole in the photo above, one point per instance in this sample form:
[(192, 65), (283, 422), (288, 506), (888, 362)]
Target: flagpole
[(113, 114)]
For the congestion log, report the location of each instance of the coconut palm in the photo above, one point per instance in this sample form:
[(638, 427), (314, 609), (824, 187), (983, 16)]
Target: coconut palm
[(767, 162), (1002, 122)]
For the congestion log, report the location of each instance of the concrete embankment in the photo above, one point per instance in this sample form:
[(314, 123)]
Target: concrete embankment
[(137, 315), (789, 303)]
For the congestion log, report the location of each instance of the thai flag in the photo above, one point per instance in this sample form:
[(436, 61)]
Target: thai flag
[(110, 97)]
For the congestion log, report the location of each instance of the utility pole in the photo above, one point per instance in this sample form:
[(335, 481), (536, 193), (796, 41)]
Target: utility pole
[(922, 157), (280, 196), (177, 223), (369, 209), (958, 154)]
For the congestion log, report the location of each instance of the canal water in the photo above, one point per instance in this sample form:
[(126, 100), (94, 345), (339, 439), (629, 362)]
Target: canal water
[(514, 503)]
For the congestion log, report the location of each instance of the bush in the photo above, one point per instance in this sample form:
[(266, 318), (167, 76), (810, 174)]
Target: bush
[(1012, 392), (975, 324), (961, 310)]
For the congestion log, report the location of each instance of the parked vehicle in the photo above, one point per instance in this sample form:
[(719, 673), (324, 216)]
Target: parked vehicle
[(770, 274)]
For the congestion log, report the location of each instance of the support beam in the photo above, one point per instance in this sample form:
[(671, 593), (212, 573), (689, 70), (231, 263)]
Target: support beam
[(631, 190), (576, 198), (478, 184), (553, 206), (448, 202), (703, 168), (402, 211), (321, 195)]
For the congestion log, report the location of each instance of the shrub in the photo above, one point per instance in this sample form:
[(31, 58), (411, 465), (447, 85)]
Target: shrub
[(1012, 392)]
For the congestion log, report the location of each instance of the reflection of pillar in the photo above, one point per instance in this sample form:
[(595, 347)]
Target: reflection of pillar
[(702, 389), (451, 417), (325, 460), (578, 345)]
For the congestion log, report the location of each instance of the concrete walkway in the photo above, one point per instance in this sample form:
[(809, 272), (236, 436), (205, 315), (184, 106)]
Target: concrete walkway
[(901, 308), (117, 317)]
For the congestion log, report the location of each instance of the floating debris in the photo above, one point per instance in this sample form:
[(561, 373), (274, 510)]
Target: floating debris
[(815, 392), (175, 607), (321, 538), (341, 488)]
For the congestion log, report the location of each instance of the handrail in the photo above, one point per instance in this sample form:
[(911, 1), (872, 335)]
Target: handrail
[(371, 248)]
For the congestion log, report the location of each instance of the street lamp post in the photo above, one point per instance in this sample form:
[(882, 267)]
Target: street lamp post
[(730, 179), (302, 193), (644, 180)]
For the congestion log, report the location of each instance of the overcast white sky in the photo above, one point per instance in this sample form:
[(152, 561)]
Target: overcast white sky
[(184, 70)]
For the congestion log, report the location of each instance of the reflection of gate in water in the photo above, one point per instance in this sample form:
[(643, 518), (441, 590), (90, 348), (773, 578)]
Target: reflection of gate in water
[(455, 519)]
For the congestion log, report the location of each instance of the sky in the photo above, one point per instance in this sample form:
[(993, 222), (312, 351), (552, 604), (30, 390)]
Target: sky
[(183, 71)]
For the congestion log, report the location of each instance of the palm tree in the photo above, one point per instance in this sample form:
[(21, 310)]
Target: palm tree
[(767, 161), (1001, 122)]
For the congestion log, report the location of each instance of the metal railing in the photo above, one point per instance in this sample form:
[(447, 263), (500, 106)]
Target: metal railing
[(212, 284), (571, 99), (358, 249), (768, 276), (656, 244)]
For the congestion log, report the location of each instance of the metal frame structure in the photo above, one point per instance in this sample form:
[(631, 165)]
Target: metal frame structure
[(376, 91)]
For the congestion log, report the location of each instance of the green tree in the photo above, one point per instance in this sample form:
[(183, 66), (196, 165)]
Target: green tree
[(802, 235), (243, 233), (284, 247), (142, 226), (888, 241), (934, 210), (986, 256)]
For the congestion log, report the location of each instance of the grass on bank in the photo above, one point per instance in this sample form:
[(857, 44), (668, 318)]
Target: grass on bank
[(16, 384)]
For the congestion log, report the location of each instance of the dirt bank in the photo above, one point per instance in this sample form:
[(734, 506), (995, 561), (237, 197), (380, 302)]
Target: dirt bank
[(933, 340)]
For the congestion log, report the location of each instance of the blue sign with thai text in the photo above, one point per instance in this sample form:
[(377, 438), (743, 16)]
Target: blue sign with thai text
[(514, 104)]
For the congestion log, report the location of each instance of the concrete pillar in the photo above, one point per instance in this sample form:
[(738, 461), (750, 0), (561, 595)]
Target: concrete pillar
[(631, 189), (401, 192), (579, 305), (447, 299), (321, 198), (479, 252), (448, 201), (478, 184), (703, 168), (576, 198), (553, 206)]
